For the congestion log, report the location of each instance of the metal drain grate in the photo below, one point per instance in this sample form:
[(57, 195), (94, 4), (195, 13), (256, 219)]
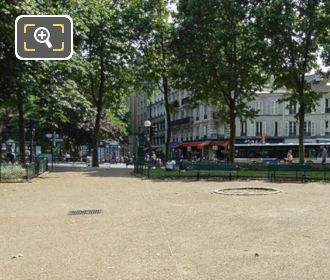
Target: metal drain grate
[(85, 212)]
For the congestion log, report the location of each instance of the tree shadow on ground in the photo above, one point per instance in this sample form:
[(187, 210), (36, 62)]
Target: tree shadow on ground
[(97, 172)]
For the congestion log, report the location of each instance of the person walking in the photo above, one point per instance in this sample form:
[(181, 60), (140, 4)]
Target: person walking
[(324, 155)]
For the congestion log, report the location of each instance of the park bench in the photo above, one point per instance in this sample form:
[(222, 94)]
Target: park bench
[(209, 169), (288, 171)]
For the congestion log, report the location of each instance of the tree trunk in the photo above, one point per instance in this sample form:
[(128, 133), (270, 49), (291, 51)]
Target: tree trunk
[(99, 105), (232, 125), (168, 118), (21, 127), (301, 118), (95, 162)]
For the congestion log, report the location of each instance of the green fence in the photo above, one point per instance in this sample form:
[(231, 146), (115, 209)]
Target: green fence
[(16, 172), (142, 168), (311, 172)]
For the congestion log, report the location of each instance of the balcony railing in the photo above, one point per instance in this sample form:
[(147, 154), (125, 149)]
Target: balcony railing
[(186, 120)]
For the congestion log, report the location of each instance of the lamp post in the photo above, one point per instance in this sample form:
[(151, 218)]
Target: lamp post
[(147, 125), (52, 137), (32, 134)]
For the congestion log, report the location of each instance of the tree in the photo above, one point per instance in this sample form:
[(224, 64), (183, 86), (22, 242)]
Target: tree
[(16, 77), (220, 56), (107, 47), (157, 63), (294, 31)]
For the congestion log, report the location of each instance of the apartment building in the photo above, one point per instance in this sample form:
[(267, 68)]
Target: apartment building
[(198, 127), (276, 120), (137, 104)]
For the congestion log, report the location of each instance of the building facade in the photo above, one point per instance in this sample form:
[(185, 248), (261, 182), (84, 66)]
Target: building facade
[(137, 104), (197, 128)]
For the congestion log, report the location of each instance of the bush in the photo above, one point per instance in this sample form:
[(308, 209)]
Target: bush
[(12, 172)]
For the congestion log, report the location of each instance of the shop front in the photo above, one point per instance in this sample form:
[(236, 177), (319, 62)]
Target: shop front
[(207, 150)]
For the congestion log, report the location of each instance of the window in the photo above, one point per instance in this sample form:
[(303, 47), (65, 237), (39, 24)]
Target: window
[(243, 128), (197, 113), (327, 128), (292, 109), (205, 131), (327, 105), (258, 128), (205, 111), (259, 107), (197, 132), (275, 128), (292, 129), (307, 128), (274, 107)]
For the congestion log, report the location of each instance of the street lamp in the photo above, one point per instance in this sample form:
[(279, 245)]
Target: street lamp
[(147, 125)]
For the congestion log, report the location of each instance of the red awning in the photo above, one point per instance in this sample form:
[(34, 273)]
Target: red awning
[(205, 143), (221, 143), (201, 144), (190, 144)]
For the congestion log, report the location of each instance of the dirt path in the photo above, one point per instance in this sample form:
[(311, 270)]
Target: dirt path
[(160, 230)]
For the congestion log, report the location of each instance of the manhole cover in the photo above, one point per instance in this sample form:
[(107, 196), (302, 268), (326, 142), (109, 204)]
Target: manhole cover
[(247, 191), (85, 212)]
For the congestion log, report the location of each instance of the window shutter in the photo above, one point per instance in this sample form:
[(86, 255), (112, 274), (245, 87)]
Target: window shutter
[(313, 130), (272, 128), (264, 127), (286, 132)]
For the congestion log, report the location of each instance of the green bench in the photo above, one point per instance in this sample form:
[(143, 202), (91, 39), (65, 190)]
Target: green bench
[(218, 170), (288, 171)]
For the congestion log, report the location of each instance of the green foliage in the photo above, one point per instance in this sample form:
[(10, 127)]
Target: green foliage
[(12, 172), (294, 33), (64, 95), (220, 55)]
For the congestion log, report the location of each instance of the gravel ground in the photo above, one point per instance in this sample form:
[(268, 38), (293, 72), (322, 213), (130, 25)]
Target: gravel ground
[(161, 230)]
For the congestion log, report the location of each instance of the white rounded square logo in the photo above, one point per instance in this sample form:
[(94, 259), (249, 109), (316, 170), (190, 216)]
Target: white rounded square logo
[(43, 37)]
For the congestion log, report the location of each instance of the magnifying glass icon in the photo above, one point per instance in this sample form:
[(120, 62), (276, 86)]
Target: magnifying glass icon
[(41, 35)]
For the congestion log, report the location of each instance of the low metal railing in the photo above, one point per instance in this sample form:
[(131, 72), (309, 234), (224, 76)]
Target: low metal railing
[(17, 172)]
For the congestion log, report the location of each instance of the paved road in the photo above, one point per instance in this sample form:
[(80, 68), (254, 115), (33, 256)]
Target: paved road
[(160, 230)]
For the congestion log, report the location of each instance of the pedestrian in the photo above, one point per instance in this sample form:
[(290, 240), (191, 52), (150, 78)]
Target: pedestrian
[(67, 157), (324, 155), (182, 165), (289, 157), (170, 165)]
